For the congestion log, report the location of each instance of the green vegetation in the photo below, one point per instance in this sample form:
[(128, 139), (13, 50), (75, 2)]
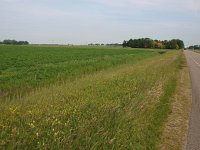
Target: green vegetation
[(195, 47), (177, 121), (14, 42), (109, 98), (23, 68), (149, 43)]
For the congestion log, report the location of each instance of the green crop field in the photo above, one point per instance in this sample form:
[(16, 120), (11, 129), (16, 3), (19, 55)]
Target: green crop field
[(85, 97), (23, 68)]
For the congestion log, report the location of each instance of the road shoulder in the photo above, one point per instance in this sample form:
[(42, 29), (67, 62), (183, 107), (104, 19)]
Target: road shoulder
[(174, 132)]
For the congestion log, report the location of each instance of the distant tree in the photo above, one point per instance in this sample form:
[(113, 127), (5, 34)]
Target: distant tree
[(10, 42), (14, 42), (158, 45), (180, 44), (114, 44), (149, 43), (175, 44), (191, 47), (22, 43), (125, 44), (196, 47), (172, 44), (140, 43), (130, 43)]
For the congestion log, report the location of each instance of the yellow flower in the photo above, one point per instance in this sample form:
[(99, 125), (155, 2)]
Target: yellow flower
[(12, 110), (31, 125)]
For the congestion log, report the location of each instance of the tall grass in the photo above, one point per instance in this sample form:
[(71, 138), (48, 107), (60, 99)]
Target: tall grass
[(198, 51), (122, 107), (177, 121)]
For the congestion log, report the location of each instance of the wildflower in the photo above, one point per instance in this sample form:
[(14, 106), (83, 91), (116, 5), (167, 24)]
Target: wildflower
[(12, 110), (56, 133), (29, 112), (31, 125)]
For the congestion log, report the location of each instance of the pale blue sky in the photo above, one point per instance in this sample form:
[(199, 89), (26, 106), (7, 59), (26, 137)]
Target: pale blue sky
[(99, 21)]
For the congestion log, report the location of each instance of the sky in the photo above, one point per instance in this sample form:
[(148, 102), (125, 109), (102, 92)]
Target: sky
[(99, 21)]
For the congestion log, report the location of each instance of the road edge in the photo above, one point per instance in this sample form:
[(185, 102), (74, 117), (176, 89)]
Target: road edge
[(175, 129)]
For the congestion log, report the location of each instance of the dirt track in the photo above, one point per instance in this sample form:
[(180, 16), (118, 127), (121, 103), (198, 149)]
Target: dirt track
[(193, 141)]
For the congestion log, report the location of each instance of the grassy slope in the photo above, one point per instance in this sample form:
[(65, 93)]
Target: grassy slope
[(23, 68), (122, 108), (177, 121), (198, 51)]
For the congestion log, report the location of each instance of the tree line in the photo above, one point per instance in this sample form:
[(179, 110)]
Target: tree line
[(111, 44), (14, 42), (149, 43), (195, 47)]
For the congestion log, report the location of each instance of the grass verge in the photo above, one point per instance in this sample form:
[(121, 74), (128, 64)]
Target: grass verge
[(175, 129)]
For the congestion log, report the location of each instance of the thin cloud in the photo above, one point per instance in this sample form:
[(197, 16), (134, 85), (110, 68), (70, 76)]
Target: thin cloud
[(192, 5), (85, 21)]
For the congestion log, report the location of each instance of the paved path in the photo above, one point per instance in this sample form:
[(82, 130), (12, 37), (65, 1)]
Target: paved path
[(193, 141)]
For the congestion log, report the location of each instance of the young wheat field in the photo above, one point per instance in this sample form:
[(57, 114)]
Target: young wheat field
[(85, 97)]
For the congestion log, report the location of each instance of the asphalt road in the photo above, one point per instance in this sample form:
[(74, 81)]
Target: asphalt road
[(193, 140)]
